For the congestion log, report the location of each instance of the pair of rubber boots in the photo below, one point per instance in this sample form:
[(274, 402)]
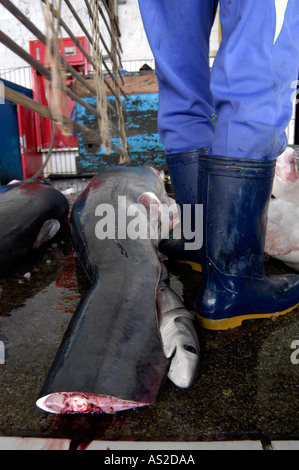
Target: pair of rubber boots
[(233, 195)]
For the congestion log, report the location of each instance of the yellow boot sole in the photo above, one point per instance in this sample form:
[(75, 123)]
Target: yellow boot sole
[(195, 266), (228, 323)]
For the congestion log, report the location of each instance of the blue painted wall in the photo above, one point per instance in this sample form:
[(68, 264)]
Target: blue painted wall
[(10, 151), (141, 130)]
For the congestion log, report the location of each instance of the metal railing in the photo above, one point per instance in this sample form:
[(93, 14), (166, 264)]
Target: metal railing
[(64, 162), (22, 75)]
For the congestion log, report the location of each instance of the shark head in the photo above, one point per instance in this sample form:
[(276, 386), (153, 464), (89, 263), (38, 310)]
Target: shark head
[(181, 345), (185, 360)]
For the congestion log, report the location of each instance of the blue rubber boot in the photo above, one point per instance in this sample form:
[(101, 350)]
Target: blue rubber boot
[(235, 194), (183, 169)]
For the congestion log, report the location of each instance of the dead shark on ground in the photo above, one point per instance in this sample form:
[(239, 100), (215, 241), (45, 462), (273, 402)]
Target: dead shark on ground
[(31, 213), (114, 356)]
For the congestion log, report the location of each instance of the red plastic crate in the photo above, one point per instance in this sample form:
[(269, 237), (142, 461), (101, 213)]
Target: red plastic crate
[(40, 89), (68, 49)]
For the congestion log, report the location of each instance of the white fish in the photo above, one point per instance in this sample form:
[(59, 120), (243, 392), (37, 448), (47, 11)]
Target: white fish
[(282, 238), (286, 181), (69, 191)]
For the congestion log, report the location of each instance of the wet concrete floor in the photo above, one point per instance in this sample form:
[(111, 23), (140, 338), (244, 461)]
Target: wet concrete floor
[(246, 389)]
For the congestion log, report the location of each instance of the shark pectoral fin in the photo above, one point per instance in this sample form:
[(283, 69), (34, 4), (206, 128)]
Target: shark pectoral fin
[(48, 231)]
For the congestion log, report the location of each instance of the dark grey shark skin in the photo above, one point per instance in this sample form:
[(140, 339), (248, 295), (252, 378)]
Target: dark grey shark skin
[(31, 212), (111, 357)]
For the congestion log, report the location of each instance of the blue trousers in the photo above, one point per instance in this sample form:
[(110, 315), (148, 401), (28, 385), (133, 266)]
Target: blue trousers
[(253, 79)]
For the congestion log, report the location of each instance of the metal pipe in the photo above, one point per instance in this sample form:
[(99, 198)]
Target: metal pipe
[(29, 25), (78, 44), (80, 23), (19, 98), (46, 73)]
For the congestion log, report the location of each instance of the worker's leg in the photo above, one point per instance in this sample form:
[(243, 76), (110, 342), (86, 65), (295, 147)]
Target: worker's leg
[(252, 85), (252, 77), (235, 194), (178, 33)]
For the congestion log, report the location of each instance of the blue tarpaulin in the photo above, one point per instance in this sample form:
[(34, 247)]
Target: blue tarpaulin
[(145, 146)]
